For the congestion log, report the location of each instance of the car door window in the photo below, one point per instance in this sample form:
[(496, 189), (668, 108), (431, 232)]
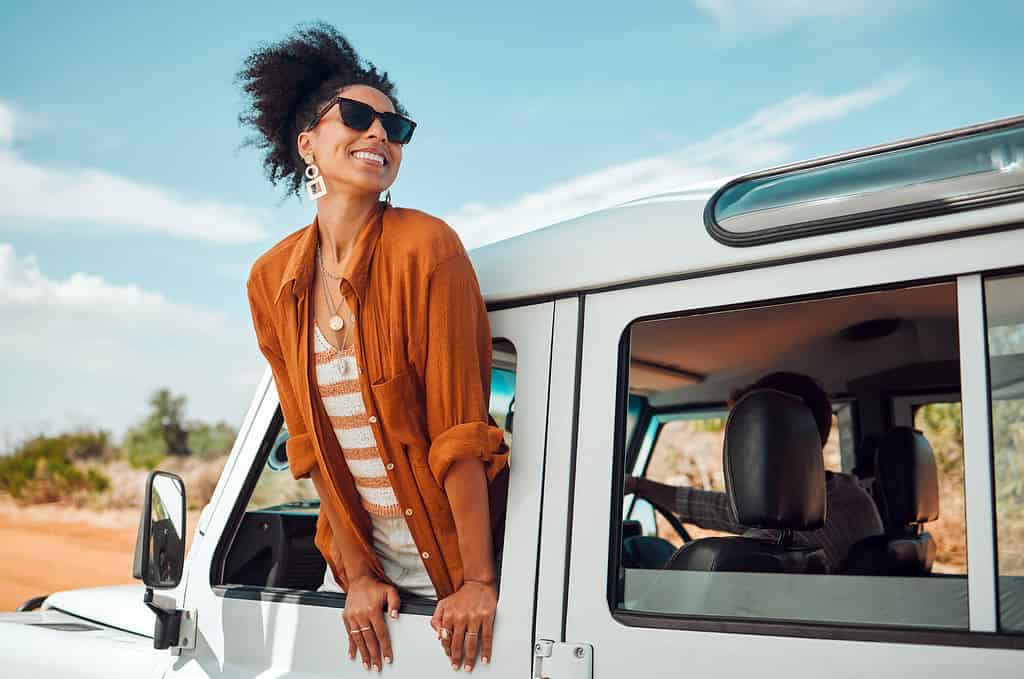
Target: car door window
[(1004, 307), (860, 348)]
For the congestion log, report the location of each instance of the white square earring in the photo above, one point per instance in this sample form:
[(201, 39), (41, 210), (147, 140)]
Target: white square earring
[(315, 187)]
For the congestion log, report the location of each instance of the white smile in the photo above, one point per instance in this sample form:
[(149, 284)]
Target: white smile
[(374, 158)]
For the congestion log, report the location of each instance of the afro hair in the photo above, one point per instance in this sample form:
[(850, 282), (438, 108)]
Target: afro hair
[(287, 83)]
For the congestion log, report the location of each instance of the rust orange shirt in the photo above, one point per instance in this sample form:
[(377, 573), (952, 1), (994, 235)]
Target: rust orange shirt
[(423, 348)]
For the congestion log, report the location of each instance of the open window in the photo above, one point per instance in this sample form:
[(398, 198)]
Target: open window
[(272, 545)]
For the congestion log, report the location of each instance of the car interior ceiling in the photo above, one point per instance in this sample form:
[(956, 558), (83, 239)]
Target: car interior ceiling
[(866, 348)]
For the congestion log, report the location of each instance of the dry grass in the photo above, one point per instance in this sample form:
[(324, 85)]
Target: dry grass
[(128, 484)]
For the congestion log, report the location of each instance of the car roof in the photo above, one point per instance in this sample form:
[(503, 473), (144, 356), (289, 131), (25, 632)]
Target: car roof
[(667, 235)]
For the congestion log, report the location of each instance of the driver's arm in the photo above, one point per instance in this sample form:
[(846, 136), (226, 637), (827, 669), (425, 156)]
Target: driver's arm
[(705, 508)]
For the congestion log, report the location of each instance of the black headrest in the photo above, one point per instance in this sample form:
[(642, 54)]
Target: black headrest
[(907, 479), (774, 471)]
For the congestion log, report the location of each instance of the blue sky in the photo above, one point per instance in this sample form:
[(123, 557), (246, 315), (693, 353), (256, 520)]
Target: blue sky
[(130, 214)]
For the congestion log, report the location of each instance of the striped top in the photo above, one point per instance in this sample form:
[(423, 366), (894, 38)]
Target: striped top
[(337, 376)]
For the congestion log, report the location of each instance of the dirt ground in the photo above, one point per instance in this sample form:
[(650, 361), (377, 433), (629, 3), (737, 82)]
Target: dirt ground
[(47, 548)]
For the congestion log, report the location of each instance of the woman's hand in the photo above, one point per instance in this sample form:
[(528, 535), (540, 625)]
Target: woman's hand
[(365, 601), (464, 623)]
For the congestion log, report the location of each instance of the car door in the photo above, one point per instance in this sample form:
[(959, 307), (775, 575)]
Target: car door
[(246, 630), (659, 641)]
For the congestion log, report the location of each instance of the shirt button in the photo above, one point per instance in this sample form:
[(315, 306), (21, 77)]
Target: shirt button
[(425, 555), (408, 512), (391, 465), (372, 418)]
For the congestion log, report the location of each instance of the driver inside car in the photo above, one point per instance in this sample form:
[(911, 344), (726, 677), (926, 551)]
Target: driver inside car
[(851, 516)]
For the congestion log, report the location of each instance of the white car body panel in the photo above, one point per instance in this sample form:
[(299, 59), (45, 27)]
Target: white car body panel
[(31, 650)]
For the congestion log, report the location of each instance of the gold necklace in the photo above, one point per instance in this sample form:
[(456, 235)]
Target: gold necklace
[(336, 323)]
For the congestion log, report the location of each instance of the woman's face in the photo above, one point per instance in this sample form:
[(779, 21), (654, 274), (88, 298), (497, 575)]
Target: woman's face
[(333, 144)]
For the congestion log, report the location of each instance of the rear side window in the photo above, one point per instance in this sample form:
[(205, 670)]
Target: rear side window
[(1004, 310)]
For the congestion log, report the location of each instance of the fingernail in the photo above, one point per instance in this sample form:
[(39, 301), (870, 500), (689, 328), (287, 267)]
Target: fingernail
[(387, 659), (393, 614), (455, 667), (376, 669), (468, 667), (366, 666), (486, 660)]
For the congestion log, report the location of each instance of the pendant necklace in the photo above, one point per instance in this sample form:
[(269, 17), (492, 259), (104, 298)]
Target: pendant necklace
[(335, 321)]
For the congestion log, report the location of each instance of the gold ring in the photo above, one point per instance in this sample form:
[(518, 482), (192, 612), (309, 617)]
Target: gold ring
[(471, 634), (445, 633), (363, 629)]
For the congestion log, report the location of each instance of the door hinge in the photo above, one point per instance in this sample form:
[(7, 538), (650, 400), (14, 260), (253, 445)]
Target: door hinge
[(188, 629), (562, 660)]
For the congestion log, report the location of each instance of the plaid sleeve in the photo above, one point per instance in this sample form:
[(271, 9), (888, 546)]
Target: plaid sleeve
[(707, 509)]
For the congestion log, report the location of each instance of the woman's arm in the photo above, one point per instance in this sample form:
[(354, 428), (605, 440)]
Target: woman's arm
[(466, 486), (466, 451), (365, 595), (299, 449), (469, 612)]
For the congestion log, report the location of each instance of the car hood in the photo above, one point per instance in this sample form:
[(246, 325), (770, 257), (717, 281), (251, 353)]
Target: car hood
[(118, 606)]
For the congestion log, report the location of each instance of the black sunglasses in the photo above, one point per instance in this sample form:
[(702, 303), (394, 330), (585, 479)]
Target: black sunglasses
[(359, 116)]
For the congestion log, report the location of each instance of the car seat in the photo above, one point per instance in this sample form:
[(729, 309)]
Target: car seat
[(906, 491), (774, 478)]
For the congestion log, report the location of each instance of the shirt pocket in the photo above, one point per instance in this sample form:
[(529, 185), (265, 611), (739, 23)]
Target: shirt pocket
[(400, 407)]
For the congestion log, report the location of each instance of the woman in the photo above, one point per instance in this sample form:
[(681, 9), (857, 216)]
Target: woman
[(377, 335)]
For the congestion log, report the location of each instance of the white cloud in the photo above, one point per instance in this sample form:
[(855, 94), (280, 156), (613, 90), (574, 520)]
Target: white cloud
[(22, 284), (6, 125), (29, 191), (756, 142), (85, 351), (764, 16)]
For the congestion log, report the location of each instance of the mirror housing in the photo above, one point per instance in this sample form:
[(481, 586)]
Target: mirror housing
[(160, 557), (278, 458), (160, 542)]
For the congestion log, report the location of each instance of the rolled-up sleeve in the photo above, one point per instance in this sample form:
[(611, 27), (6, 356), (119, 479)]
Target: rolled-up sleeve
[(457, 377), (299, 447)]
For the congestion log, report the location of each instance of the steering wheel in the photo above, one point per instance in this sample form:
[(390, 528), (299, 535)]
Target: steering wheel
[(672, 519)]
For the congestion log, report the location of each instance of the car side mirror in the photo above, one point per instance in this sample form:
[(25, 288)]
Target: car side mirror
[(278, 458), (160, 557), (160, 542)]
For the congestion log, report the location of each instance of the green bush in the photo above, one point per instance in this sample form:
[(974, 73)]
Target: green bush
[(144, 447), (208, 442), (43, 470)]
